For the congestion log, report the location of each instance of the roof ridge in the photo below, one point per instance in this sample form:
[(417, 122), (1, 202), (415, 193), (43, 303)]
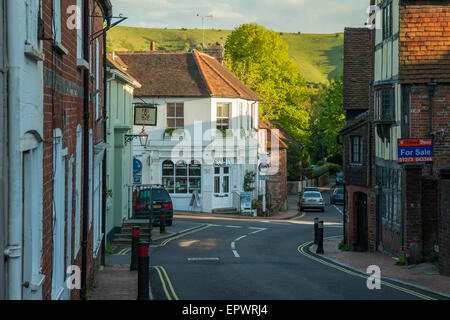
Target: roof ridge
[(208, 85), (220, 75)]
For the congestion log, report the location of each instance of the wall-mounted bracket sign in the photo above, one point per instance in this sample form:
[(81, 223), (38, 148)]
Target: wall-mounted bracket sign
[(145, 115), (419, 150)]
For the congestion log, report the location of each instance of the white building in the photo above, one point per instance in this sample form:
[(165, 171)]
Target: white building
[(23, 195), (205, 138)]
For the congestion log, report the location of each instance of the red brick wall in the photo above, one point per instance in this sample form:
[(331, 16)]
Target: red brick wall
[(420, 121), (358, 67), (63, 109)]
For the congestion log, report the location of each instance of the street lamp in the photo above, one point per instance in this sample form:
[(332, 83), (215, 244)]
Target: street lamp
[(143, 137)]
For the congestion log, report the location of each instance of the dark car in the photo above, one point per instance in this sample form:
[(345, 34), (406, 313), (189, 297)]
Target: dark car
[(154, 200), (337, 195)]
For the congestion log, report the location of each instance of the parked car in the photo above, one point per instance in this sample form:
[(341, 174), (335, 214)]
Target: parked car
[(337, 195), (312, 200), (340, 178), (155, 201)]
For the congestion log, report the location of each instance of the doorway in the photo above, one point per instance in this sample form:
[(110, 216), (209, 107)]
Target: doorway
[(221, 196), (362, 222)]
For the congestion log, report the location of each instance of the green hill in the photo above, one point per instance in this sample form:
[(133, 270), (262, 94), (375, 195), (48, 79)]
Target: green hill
[(319, 56)]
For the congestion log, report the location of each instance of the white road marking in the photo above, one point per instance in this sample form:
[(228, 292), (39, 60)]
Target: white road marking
[(233, 246), (203, 259), (233, 227), (236, 254), (240, 238), (339, 210)]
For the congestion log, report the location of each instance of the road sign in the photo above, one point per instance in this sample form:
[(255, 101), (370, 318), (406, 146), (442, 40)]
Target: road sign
[(137, 179), (418, 150), (137, 166)]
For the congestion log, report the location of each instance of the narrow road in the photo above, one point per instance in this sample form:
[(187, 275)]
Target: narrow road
[(257, 260)]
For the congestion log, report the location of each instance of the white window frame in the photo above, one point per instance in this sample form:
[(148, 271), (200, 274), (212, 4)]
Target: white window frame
[(56, 23), (79, 31), (78, 193), (175, 117), (222, 117)]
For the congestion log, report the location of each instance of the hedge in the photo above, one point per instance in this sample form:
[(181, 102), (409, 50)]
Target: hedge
[(332, 168)]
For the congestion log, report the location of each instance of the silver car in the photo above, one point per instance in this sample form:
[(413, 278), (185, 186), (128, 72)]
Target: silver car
[(312, 200)]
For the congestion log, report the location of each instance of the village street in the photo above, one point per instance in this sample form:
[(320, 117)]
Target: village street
[(263, 259)]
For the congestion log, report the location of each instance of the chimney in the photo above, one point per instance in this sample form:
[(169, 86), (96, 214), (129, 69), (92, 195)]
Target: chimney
[(153, 46), (217, 51)]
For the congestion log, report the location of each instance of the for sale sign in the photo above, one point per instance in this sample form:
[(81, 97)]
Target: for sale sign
[(419, 150)]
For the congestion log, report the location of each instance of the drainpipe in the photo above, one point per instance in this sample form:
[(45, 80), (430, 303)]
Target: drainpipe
[(15, 52), (86, 164), (431, 92), (106, 151)]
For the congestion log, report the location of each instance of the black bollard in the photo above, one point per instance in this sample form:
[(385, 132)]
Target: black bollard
[(316, 223), (134, 249), (320, 238), (162, 223), (143, 272)]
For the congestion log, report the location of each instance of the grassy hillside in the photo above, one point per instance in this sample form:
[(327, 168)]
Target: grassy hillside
[(319, 56)]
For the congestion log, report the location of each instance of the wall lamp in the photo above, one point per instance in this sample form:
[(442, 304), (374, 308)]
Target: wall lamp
[(143, 137)]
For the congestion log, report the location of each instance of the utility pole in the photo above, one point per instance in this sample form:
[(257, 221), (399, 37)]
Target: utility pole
[(203, 27)]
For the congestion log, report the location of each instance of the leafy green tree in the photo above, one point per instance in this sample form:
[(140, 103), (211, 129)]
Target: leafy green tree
[(294, 161), (331, 118), (261, 60)]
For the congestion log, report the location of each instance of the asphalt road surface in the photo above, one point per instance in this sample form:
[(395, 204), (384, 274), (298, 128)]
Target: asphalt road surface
[(259, 260)]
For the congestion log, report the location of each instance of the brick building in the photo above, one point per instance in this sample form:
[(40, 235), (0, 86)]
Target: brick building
[(358, 138), (411, 67)]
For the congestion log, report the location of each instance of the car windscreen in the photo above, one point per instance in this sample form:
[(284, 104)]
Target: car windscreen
[(312, 195), (160, 195), (339, 191)]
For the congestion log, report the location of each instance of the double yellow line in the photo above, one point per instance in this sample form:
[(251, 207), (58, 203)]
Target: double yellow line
[(165, 281), (302, 247)]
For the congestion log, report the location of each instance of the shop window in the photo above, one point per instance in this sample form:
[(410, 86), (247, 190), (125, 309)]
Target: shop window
[(181, 178)]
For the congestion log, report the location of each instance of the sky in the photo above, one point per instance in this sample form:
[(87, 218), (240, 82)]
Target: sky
[(306, 16)]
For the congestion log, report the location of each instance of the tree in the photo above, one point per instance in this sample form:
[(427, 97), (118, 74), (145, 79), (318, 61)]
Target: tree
[(331, 118), (261, 60)]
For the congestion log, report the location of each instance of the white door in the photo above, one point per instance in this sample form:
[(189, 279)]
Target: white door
[(59, 187), (27, 261), (221, 195)]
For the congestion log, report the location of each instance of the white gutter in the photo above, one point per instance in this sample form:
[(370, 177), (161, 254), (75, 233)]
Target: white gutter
[(15, 53)]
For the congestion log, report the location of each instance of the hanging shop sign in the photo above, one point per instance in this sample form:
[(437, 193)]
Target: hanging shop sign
[(145, 115)]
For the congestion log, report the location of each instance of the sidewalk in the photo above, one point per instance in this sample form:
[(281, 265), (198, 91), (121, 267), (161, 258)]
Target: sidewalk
[(425, 275), (115, 281)]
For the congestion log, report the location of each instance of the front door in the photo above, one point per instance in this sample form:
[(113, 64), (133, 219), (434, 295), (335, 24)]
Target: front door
[(222, 197), (362, 225)]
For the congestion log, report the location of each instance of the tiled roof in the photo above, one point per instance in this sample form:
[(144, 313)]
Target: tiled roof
[(119, 65), (183, 74), (424, 41)]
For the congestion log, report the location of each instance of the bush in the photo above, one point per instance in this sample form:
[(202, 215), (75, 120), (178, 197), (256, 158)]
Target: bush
[(317, 172)]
